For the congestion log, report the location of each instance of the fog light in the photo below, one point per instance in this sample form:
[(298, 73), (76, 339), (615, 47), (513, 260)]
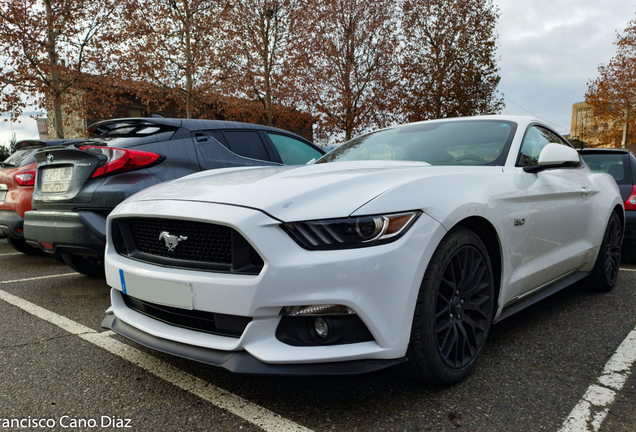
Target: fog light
[(321, 328)]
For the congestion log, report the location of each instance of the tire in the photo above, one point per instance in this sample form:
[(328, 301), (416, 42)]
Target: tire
[(606, 269), (86, 265), (22, 246), (450, 330)]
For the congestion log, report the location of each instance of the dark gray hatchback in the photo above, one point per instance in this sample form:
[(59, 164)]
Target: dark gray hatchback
[(78, 185), (620, 164)]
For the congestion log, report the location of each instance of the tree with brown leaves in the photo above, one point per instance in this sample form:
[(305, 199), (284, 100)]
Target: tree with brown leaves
[(47, 47), (612, 96), (345, 52), (262, 32), (448, 59), (176, 49)]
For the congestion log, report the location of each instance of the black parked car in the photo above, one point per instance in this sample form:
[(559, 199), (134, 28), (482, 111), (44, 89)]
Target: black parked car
[(621, 165), (78, 185)]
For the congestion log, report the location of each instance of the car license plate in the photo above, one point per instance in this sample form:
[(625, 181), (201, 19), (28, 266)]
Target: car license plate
[(3, 195), (56, 179), (168, 293)]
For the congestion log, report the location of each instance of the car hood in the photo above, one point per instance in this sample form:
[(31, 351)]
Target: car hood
[(292, 193)]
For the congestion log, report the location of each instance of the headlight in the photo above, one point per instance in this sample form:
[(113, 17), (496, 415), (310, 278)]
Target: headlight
[(350, 232)]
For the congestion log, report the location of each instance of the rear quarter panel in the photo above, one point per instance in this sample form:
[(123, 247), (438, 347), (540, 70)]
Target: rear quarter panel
[(606, 200), (18, 197)]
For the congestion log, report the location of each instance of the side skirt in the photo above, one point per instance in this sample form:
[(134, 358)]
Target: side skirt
[(542, 294)]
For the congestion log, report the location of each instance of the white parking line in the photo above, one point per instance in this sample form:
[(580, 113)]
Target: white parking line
[(255, 414), (11, 253), (38, 278), (60, 321), (592, 409), (628, 269)]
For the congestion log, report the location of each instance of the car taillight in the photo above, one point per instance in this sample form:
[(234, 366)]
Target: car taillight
[(25, 178), (630, 202), (121, 160)]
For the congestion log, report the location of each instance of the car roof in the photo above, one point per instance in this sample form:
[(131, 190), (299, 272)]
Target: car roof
[(606, 150), (190, 124), (519, 120), (504, 117)]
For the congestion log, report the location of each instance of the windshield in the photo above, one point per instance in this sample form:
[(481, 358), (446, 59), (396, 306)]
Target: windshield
[(468, 142)]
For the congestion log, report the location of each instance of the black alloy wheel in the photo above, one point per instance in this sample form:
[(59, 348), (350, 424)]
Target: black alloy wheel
[(454, 311), (463, 307), (606, 268), (613, 251)]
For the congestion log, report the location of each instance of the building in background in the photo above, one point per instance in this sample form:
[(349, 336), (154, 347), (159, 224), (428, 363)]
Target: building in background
[(43, 129), (586, 130)]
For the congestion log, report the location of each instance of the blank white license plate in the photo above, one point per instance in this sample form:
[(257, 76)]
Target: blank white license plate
[(168, 293), (3, 196), (56, 179)]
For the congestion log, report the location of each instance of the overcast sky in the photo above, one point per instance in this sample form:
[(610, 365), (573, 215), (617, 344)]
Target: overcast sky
[(549, 51)]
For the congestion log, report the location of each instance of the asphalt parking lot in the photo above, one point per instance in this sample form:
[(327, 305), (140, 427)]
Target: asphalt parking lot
[(566, 364)]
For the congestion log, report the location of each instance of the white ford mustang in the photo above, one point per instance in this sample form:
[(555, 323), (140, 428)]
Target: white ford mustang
[(401, 247)]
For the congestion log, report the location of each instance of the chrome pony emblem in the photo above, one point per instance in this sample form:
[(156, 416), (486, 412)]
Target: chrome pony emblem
[(171, 240), (49, 158)]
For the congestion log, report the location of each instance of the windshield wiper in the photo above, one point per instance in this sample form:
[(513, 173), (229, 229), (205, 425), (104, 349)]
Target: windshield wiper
[(6, 165)]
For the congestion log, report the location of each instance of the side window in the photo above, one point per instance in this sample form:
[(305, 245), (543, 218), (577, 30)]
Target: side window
[(534, 141), (247, 144), (293, 151), (614, 164), (219, 137)]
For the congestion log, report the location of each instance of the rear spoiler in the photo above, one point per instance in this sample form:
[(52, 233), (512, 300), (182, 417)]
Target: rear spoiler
[(32, 143), (29, 143), (133, 127)]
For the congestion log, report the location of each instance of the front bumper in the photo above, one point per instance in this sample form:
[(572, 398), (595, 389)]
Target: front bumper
[(10, 223), (81, 232), (241, 361), (379, 283)]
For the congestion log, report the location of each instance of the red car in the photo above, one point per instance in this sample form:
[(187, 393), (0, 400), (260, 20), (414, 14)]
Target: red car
[(17, 178)]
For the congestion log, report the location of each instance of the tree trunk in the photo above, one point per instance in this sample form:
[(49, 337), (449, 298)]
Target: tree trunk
[(267, 70), (189, 65), (55, 81), (268, 97), (188, 94)]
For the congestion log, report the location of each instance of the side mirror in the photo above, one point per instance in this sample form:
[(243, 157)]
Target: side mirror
[(555, 156)]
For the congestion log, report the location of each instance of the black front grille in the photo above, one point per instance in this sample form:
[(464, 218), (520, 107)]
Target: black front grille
[(185, 244), (208, 322), (200, 242)]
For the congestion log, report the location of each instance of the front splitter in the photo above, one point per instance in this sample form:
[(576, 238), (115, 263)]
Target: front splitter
[(241, 361)]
